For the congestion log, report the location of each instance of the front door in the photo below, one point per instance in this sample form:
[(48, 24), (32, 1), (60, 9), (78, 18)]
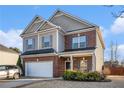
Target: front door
[(68, 65)]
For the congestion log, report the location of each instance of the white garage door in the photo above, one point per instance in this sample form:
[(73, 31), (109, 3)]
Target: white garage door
[(39, 69)]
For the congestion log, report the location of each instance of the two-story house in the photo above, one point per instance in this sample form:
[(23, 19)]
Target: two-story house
[(63, 42)]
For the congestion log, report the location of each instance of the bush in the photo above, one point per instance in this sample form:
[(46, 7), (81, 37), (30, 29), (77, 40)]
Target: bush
[(67, 75), (93, 76), (79, 76)]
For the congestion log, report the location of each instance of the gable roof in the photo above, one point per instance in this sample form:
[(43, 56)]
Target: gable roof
[(38, 24), (5, 49), (43, 24), (46, 25), (35, 19), (59, 12), (91, 25)]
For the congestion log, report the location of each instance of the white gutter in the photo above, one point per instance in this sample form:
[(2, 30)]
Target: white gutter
[(76, 53), (80, 31)]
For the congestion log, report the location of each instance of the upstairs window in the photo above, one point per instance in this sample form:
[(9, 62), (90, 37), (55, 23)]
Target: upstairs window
[(82, 41), (47, 41), (79, 42), (30, 43), (75, 42)]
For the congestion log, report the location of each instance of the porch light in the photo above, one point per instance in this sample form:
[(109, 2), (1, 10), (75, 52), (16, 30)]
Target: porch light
[(68, 59), (83, 58)]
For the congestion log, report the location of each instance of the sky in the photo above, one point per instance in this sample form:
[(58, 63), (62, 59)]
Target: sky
[(14, 19)]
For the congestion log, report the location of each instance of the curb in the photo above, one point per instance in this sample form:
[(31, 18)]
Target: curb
[(115, 76), (23, 85)]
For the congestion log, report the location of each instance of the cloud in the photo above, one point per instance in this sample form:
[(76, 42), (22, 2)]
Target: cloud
[(118, 26), (11, 38)]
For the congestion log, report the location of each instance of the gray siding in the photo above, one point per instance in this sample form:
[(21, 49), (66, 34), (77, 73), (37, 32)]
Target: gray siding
[(61, 42), (35, 44), (67, 23)]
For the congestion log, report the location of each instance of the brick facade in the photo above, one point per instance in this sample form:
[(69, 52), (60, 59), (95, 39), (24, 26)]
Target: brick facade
[(91, 39), (59, 63)]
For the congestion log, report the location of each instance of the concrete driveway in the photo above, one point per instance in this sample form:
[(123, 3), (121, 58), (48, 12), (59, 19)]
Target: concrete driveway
[(117, 82), (20, 82)]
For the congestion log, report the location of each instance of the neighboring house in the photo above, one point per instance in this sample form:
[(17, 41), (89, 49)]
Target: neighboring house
[(8, 56), (64, 42)]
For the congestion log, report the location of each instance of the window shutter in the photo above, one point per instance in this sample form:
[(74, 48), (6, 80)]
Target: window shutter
[(26, 43), (86, 41), (33, 40), (42, 41), (51, 41)]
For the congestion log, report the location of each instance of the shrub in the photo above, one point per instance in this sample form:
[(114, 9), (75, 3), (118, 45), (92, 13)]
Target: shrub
[(85, 76), (79, 76), (93, 76), (67, 75)]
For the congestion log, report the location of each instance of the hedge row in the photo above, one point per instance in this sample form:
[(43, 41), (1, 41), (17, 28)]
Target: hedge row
[(85, 76)]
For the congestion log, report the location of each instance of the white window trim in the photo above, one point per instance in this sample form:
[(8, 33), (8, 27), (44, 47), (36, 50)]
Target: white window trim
[(42, 43), (80, 42), (30, 41), (78, 37), (29, 44), (73, 42), (65, 65)]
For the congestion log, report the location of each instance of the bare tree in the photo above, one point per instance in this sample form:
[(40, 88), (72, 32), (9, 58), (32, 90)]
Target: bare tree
[(116, 52), (119, 13), (112, 52)]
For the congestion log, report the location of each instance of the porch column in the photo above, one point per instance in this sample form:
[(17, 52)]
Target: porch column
[(93, 62), (71, 59)]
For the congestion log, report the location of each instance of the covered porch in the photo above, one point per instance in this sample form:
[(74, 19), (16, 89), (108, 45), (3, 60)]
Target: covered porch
[(78, 61)]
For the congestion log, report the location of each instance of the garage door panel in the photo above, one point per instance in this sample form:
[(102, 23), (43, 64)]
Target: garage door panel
[(39, 69)]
